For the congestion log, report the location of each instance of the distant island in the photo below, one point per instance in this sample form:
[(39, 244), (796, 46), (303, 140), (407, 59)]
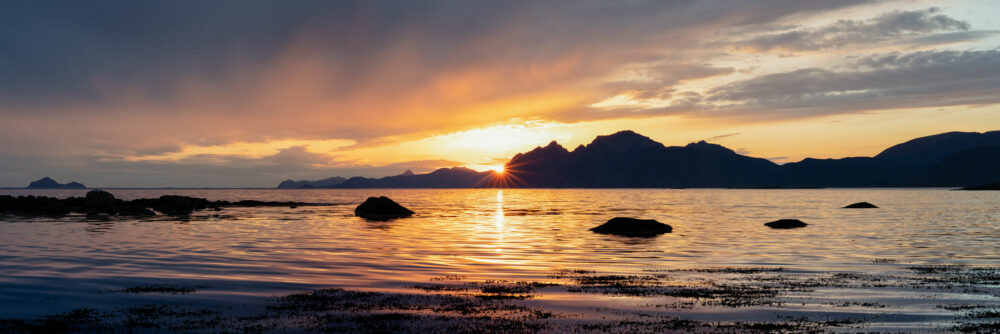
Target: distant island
[(629, 160), (49, 183), (324, 183)]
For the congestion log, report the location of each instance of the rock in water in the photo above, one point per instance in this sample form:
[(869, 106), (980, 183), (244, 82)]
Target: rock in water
[(786, 223), (174, 205), (381, 208), (100, 201), (991, 186), (632, 227), (861, 205)]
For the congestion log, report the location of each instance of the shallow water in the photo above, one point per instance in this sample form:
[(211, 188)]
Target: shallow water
[(241, 255)]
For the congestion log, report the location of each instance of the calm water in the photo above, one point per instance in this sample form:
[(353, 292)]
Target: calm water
[(239, 255)]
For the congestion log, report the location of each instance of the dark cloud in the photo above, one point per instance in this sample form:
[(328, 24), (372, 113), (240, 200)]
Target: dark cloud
[(895, 80), (68, 49), (660, 79), (722, 136), (72, 50), (918, 27)]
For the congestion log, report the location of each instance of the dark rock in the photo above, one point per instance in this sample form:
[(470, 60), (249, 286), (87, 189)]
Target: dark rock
[(57, 209), (179, 205), (861, 205), (991, 186), (786, 223), (100, 201), (632, 227), (381, 208), (135, 211)]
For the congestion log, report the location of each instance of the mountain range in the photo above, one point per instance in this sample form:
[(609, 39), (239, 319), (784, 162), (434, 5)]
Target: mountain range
[(329, 182), (629, 160)]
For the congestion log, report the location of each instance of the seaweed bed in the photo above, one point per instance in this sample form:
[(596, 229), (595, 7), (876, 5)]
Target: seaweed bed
[(457, 304), (161, 288)]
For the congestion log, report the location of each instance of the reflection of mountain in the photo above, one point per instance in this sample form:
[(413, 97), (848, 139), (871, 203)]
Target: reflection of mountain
[(629, 160), (48, 183)]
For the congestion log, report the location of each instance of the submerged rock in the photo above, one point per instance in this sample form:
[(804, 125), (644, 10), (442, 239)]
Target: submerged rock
[(135, 211), (381, 208), (786, 223), (991, 186), (632, 227), (861, 205)]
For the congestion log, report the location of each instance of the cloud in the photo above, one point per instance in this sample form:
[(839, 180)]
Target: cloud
[(658, 81), (82, 82), (889, 81), (921, 27), (722, 136), (359, 70), (213, 171)]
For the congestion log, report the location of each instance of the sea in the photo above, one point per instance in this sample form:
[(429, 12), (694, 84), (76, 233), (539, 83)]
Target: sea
[(919, 262)]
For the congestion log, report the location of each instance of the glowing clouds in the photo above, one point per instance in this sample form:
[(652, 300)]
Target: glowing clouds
[(246, 149)]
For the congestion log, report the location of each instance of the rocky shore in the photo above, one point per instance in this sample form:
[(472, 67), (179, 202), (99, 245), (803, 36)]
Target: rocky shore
[(102, 203)]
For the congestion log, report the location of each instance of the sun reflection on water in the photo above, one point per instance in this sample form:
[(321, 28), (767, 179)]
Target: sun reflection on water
[(498, 219)]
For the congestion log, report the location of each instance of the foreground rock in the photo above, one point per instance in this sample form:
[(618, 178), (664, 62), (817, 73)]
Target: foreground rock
[(861, 205), (991, 186), (786, 223), (632, 227), (381, 208), (99, 202)]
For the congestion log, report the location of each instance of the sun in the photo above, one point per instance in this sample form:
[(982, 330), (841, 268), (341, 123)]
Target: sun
[(499, 169)]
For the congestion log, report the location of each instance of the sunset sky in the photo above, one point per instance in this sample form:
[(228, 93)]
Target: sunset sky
[(249, 93)]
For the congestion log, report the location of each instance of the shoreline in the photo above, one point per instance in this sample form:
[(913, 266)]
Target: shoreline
[(767, 299)]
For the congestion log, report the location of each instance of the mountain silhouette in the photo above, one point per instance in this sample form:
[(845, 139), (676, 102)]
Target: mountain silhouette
[(455, 177), (49, 183), (324, 183), (925, 151), (629, 160), (942, 160)]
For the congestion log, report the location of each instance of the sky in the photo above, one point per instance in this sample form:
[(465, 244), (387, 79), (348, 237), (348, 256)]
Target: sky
[(250, 93)]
